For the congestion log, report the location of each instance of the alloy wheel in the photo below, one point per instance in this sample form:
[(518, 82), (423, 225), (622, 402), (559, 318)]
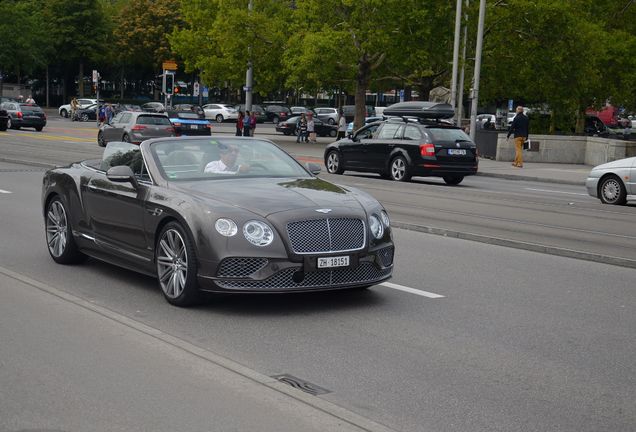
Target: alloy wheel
[(56, 229), (333, 163), (172, 263), (612, 191), (398, 169)]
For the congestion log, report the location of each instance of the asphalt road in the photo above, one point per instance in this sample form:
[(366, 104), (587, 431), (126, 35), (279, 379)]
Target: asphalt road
[(514, 340)]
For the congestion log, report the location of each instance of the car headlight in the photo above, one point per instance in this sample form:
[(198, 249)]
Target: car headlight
[(258, 233), (226, 227), (385, 218), (377, 230)]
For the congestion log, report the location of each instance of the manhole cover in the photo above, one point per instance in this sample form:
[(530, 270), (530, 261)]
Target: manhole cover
[(301, 384)]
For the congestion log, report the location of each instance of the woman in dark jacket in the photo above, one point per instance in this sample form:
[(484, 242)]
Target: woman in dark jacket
[(239, 124)]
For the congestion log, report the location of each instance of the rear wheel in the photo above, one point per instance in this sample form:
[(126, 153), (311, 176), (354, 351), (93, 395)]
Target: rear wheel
[(334, 166), (39, 128), (612, 191), (333, 133), (453, 180), (84, 117), (219, 118), (59, 237), (9, 124), (100, 139), (176, 266), (399, 170), (125, 138)]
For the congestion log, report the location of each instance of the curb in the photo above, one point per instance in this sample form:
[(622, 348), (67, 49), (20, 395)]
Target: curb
[(517, 244), (530, 178)]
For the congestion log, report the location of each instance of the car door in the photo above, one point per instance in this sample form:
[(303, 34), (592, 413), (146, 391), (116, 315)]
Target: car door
[(110, 130), (352, 150), (376, 151), (115, 210), (631, 182)]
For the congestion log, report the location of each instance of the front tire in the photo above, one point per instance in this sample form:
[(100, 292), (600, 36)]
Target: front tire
[(331, 121), (219, 118), (612, 191), (39, 128), (84, 117), (399, 170), (453, 180), (100, 139), (59, 236), (334, 166), (333, 133), (9, 125), (177, 266), (64, 113)]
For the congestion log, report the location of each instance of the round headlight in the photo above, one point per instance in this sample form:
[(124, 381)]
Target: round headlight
[(258, 233), (385, 218), (377, 230), (226, 227)]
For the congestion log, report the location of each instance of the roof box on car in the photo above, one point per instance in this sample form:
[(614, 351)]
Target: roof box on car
[(423, 110)]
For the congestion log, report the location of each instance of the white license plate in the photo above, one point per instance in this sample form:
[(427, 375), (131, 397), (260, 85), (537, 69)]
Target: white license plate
[(193, 126), (337, 261), (461, 152)]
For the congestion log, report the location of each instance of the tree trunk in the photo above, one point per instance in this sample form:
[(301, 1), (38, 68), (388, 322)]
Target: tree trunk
[(80, 80), (362, 83), (121, 83), (580, 121)]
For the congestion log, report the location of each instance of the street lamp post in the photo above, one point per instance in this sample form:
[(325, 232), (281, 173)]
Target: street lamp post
[(458, 25), (249, 75), (478, 48)]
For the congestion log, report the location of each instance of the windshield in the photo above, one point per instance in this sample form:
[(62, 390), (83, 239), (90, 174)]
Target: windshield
[(222, 158)]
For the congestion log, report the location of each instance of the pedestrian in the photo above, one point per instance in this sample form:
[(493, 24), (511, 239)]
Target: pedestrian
[(519, 127), (342, 126), (252, 123), (101, 114), (30, 100), (302, 129), (109, 113), (311, 131), (239, 124), (246, 123), (627, 128), (74, 107)]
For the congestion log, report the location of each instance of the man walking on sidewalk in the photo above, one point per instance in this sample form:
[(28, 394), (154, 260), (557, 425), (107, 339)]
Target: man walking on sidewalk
[(519, 127)]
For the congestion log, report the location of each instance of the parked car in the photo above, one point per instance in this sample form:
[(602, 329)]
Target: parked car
[(276, 113), (155, 209), (220, 112), (350, 111), (135, 127), (366, 122), (4, 119), (189, 120), (7, 99), (156, 107), (327, 115), (613, 182), (117, 108), (256, 109), (65, 110), (290, 127), (24, 115), (298, 110), (400, 148), (486, 121)]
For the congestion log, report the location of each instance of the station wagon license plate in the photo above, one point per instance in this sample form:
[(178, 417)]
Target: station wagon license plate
[(460, 152), (336, 261), (193, 126)]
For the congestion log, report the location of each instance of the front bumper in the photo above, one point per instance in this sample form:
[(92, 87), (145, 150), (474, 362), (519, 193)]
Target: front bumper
[(263, 275), (591, 184)]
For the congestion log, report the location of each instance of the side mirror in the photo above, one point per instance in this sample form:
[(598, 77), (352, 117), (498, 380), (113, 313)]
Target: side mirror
[(313, 168), (122, 174)]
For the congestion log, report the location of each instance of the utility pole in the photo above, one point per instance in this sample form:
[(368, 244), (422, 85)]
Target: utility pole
[(460, 98), (458, 25), (249, 75), (475, 95)]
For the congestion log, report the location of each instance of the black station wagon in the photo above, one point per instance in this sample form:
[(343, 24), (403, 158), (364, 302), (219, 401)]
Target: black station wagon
[(413, 142)]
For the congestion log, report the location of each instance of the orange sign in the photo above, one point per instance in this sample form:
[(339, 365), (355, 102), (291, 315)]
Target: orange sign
[(169, 65)]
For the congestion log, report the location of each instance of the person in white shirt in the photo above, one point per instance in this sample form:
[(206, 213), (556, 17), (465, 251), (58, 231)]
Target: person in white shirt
[(342, 126), (227, 163)]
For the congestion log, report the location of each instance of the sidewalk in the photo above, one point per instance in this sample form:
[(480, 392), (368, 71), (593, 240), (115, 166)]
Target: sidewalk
[(573, 174)]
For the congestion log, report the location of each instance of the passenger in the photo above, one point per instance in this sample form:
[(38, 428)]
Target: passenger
[(227, 162)]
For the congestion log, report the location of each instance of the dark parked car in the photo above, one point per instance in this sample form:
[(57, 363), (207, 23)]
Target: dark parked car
[(189, 120), (4, 119), (350, 111), (257, 109), (158, 210), (276, 113), (135, 127), (157, 107), (417, 144), (24, 115), (290, 127), (86, 114)]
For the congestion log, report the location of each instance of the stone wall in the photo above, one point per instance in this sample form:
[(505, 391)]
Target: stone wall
[(567, 149)]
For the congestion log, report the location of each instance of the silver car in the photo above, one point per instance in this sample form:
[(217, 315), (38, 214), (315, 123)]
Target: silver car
[(220, 112), (327, 115), (613, 182), (135, 127)]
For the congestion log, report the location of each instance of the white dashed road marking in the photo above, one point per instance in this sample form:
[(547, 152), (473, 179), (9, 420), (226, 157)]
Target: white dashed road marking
[(4, 191), (411, 290)]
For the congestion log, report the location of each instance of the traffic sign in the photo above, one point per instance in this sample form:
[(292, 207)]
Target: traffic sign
[(510, 104), (195, 89), (170, 65), (205, 91), (95, 76), (247, 88)]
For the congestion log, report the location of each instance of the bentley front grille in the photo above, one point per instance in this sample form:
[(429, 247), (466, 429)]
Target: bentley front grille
[(326, 235), (365, 273), (241, 267)]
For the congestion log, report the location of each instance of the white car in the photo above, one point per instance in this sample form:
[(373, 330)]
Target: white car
[(65, 110), (613, 182), (220, 112)]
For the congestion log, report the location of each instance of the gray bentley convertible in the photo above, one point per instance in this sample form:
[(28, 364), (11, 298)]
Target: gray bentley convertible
[(220, 214)]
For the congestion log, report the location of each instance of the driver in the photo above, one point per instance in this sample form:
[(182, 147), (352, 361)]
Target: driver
[(227, 162)]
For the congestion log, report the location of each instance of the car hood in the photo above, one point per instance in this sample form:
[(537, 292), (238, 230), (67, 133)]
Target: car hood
[(266, 196), (621, 163)]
